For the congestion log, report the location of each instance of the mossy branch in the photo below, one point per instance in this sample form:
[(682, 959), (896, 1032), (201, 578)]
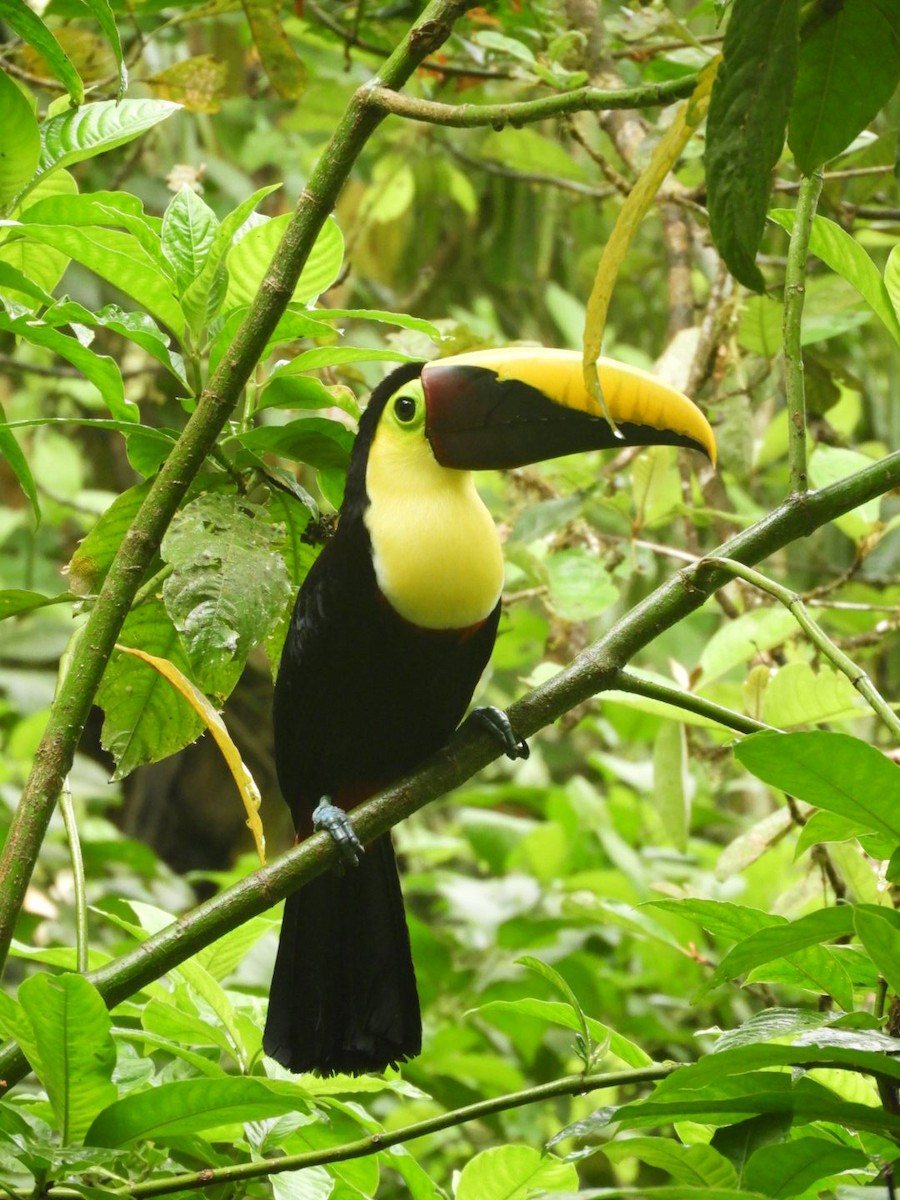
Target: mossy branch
[(596, 670), (53, 757)]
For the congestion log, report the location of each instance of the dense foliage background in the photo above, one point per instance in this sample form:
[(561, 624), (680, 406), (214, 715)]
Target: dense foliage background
[(666, 880)]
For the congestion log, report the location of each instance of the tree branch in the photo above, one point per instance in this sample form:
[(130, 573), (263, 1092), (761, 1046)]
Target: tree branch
[(525, 112), (569, 1085), (595, 670), (78, 686)]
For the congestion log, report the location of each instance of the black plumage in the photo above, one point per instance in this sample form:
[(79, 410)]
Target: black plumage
[(362, 697)]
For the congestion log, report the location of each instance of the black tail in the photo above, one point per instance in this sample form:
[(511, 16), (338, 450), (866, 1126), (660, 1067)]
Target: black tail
[(343, 996)]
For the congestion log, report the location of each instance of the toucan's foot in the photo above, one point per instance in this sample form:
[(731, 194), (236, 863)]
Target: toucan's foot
[(497, 722), (335, 821)]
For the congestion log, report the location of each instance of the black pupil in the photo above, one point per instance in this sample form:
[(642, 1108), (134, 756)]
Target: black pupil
[(405, 408)]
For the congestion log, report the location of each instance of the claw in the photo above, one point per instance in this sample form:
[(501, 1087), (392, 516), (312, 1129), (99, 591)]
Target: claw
[(335, 821), (497, 722)]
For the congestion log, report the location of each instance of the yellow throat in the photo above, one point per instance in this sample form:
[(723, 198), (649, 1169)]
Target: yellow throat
[(435, 547)]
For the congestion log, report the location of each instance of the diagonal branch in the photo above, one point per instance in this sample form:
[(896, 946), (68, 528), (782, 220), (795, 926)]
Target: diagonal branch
[(595, 670)]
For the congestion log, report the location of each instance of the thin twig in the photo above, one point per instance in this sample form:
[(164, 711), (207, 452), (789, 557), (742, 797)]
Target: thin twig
[(794, 293), (794, 604)]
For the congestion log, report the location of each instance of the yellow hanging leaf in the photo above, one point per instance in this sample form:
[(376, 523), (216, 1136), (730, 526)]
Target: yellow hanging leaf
[(198, 83), (216, 726), (632, 212)]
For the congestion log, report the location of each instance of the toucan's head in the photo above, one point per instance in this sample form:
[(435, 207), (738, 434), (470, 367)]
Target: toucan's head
[(508, 408)]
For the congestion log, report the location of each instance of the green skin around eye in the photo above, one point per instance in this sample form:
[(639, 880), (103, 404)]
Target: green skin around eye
[(407, 408)]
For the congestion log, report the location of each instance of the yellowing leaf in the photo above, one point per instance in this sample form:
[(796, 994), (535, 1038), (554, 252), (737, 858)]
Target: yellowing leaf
[(216, 726)]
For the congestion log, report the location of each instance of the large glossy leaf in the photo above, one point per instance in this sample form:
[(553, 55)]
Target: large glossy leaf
[(249, 260), (745, 132), (77, 1055), (117, 256), (192, 1106), (788, 1170), (848, 69), (41, 266), (514, 1173), (314, 440), (830, 770), (92, 129)]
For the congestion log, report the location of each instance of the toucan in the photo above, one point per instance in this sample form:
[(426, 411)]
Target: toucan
[(391, 631)]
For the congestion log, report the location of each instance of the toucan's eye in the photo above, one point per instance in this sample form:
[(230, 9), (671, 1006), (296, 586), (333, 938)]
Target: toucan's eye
[(405, 408)]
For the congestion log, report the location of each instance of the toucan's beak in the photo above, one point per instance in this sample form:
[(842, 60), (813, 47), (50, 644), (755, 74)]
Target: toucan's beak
[(507, 408)]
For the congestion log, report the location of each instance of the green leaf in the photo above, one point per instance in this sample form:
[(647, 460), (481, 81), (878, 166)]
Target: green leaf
[(296, 322), (72, 1032), (18, 463), (556, 1013), (92, 558), (721, 1103), (171, 1110), (849, 66), (671, 784), (31, 29), (721, 918), (333, 356), (137, 327), (201, 301), (696, 1166), (116, 256), (401, 320), (228, 587), (788, 1170), (514, 1173), (103, 15), (784, 940), (250, 258), (188, 232), (42, 266), (830, 464), (739, 640), (92, 129), (656, 485), (797, 695), (846, 257), (146, 719), (748, 112), (892, 278), (879, 932), (14, 601), (580, 586), (830, 770), (314, 440), (102, 371), (19, 155)]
